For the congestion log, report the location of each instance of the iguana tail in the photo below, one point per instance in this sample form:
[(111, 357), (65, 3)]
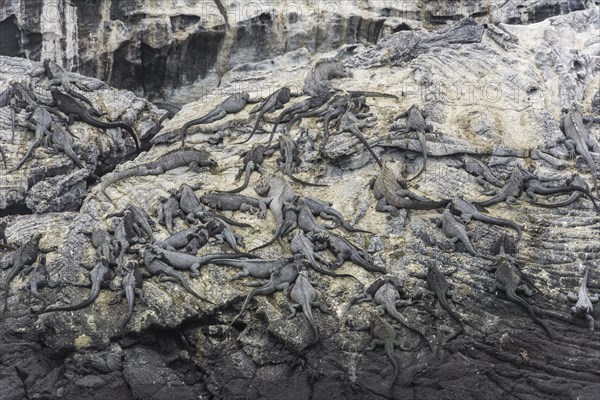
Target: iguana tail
[(512, 296), (3, 157), (572, 199), (391, 309), (282, 230), (130, 294), (110, 125), (258, 119), (263, 290), (455, 317), (421, 136), (186, 286), (360, 137), (93, 295), (579, 189), (389, 352), (249, 170), (358, 93), (306, 307), (223, 12)]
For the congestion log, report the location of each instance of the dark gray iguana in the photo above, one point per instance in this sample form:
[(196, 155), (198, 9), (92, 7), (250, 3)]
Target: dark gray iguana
[(231, 105), (576, 181), (131, 285), (349, 122), (168, 210), (289, 156), (343, 250), (325, 210), (387, 299), (481, 171), (510, 280), (195, 159), (39, 279), (583, 307), (42, 120), (438, 284), (252, 161), (60, 140), (166, 273), (100, 276), (303, 295), (257, 268), (275, 101), (318, 78), (579, 139), (392, 194), (455, 231), (415, 121), (280, 280), (468, 211), (26, 254), (534, 186), (236, 202), (73, 109), (509, 193)]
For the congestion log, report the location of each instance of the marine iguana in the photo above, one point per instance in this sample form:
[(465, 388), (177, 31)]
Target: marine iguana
[(298, 108), (221, 231), (60, 140), (289, 155), (104, 244), (583, 307), (438, 284), (508, 279), (304, 247), (349, 122), (455, 231), (275, 101), (194, 159), (190, 262), (191, 239), (343, 250), (168, 210), (236, 202), (368, 293), (280, 192), (39, 279), (194, 210), (534, 186), (392, 194), (482, 172), (574, 180), (325, 210), (468, 211), (58, 76), (303, 295), (26, 254), (318, 78), (74, 110), (384, 334), (290, 222), (156, 267), (509, 192), (579, 139), (231, 105), (131, 285), (3, 238), (42, 121), (257, 268), (252, 161), (280, 280), (415, 121), (100, 276), (387, 297)]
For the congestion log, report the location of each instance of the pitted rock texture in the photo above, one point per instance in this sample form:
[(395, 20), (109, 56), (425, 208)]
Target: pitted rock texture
[(179, 346)]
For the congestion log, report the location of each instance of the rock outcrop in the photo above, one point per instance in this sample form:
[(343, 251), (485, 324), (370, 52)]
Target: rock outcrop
[(499, 101)]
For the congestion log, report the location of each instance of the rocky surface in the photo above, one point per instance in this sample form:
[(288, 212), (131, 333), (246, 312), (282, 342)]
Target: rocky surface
[(500, 101), (177, 50)]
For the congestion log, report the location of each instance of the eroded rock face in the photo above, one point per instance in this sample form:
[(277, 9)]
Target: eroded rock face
[(500, 104), (168, 47)]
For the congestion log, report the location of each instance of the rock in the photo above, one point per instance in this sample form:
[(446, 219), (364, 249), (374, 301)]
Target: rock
[(176, 345)]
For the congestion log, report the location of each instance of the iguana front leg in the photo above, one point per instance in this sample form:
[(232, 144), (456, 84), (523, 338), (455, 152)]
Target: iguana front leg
[(383, 207)]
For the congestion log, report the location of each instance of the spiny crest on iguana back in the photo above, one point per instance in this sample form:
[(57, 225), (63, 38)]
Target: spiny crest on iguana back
[(321, 73)]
